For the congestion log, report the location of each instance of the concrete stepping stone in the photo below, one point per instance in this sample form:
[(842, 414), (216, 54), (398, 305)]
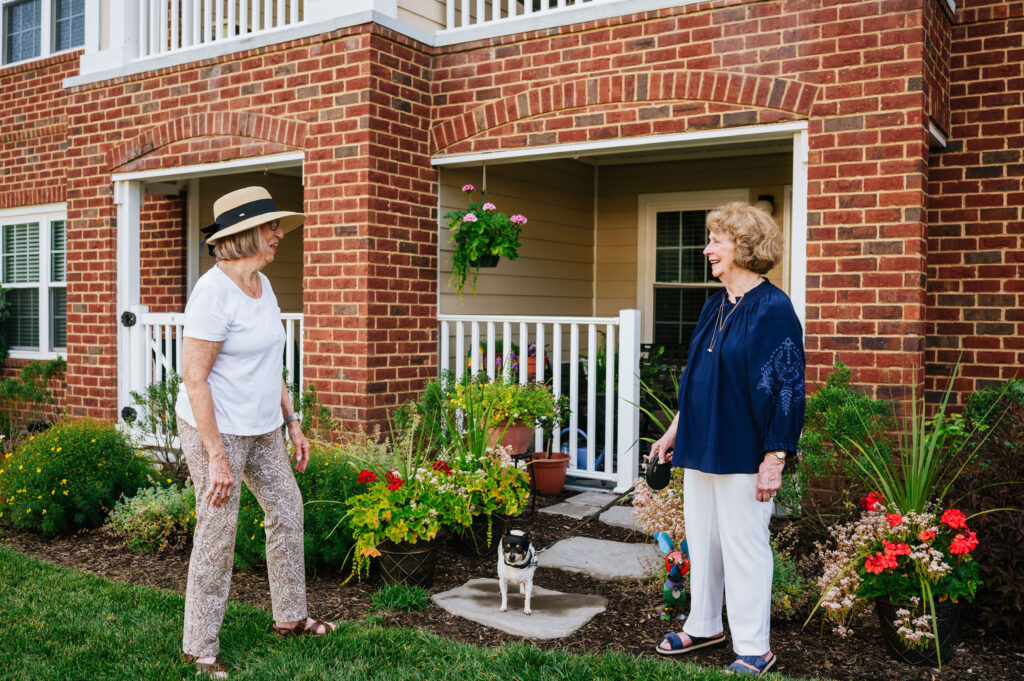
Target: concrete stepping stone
[(620, 516), (555, 614), (580, 505), (603, 559)]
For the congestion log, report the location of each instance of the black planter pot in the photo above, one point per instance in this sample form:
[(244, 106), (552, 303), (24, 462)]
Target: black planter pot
[(948, 615), (410, 564), (485, 261), (472, 541)]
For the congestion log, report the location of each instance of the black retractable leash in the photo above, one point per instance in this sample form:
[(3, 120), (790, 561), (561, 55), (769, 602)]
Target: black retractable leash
[(657, 477)]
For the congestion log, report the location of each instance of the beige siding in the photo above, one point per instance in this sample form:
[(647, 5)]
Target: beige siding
[(427, 15), (554, 272), (285, 273), (619, 188)]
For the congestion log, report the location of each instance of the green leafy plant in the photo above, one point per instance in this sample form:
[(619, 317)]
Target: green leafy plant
[(158, 422), (981, 406), (506, 401), (317, 420), (70, 475), (31, 390), (155, 518), (4, 314), (792, 593), (477, 233), (836, 414), (399, 597)]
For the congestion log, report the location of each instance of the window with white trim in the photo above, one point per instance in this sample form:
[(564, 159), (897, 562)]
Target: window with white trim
[(37, 28), (32, 273)]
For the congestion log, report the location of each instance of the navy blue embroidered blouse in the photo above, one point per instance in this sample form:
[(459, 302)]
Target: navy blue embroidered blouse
[(747, 396)]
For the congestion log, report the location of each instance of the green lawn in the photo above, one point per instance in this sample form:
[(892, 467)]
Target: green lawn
[(63, 624)]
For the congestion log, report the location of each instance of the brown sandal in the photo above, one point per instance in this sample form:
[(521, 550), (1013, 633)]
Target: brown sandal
[(212, 669), (308, 629)]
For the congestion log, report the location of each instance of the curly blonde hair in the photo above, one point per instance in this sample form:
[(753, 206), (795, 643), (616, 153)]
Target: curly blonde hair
[(758, 239)]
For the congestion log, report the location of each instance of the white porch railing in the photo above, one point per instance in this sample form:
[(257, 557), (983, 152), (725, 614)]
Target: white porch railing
[(466, 13), (168, 25), (611, 429), (154, 348)]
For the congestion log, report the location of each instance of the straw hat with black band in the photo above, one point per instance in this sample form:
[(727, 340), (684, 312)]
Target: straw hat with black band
[(244, 209)]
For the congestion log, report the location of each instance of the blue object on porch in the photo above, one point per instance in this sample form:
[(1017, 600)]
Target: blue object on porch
[(581, 451)]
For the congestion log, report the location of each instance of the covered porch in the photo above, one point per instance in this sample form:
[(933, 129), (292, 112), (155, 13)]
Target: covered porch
[(610, 266)]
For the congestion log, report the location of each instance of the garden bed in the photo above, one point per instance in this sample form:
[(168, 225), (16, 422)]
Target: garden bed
[(632, 622)]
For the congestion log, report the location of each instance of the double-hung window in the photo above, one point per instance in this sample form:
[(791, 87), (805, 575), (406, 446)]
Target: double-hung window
[(36, 28), (32, 274), (674, 275)]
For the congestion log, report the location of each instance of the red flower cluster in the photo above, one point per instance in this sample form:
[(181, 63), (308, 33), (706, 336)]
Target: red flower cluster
[(926, 535), (955, 519), (442, 466), (366, 477), (887, 559), (872, 500), (894, 519), (963, 543), (394, 482)]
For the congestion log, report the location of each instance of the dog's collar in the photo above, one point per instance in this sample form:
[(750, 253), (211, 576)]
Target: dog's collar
[(528, 562)]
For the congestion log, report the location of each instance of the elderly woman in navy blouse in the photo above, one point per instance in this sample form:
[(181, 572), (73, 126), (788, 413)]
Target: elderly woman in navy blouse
[(741, 408)]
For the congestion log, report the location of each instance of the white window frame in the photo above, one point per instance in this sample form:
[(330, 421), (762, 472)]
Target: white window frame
[(45, 216), (649, 207), (47, 34)]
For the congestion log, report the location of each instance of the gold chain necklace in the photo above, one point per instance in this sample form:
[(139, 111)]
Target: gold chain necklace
[(719, 322)]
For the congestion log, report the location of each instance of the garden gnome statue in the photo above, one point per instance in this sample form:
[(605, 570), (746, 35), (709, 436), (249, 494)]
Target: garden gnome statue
[(677, 565)]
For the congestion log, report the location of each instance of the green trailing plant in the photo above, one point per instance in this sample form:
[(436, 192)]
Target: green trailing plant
[(981, 406), (792, 593), (4, 314), (477, 233), (836, 414), (69, 476), (156, 518), (157, 422), (399, 597), (317, 420)]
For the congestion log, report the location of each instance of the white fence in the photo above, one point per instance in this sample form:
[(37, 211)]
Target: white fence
[(154, 347), (567, 352), (169, 25), (465, 13)]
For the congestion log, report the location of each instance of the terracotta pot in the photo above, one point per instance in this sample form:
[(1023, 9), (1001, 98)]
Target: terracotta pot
[(410, 564), (548, 470), (472, 540), (948, 615), (516, 436)]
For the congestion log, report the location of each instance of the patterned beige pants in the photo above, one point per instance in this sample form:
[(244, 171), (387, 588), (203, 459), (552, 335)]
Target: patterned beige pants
[(262, 462)]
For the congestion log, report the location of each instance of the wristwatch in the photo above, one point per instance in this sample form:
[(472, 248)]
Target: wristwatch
[(290, 418), (779, 454)]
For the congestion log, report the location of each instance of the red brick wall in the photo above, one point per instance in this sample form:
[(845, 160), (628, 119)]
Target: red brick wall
[(162, 249), (976, 230), (854, 70), (357, 102), (22, 414)]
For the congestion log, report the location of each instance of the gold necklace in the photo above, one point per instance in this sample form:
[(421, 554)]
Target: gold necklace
[(719, 322)]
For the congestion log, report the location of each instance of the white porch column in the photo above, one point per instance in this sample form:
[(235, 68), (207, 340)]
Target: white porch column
[(629, 397), (798, 229), (122, 40), (130, 342)]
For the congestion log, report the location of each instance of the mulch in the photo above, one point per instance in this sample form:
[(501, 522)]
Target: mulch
[(631, 623)]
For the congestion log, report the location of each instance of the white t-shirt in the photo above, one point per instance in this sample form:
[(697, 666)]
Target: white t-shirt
[(246, 377)]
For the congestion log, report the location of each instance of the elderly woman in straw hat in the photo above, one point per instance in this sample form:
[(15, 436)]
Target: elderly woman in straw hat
[(229, 417), (741, 408)]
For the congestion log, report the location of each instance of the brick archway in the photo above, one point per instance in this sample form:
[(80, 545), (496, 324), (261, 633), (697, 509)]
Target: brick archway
[(287, 132), (748, 90)]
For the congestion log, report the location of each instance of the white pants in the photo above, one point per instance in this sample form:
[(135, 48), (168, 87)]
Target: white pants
[(727, 534)]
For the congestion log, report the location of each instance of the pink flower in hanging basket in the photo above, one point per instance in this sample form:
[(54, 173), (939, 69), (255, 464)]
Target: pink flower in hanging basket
[(490, 206), (467, 187), (518, 219), (469, 218)]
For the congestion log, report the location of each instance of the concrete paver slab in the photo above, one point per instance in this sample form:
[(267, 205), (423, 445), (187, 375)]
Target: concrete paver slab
[(555, 614), (578, 511), (603, 559), (620, 516)]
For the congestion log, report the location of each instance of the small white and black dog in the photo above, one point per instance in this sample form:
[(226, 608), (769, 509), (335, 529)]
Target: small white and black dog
[(517, 561)]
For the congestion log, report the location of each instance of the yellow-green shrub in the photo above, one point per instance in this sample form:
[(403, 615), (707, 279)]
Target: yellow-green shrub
[(69, 476), (156, 517)]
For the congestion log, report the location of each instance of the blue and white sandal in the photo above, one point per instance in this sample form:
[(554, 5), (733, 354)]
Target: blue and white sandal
[(676, 646), (751, 665)]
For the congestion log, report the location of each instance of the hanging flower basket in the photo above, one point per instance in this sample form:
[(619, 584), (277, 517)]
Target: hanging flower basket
[(480, 236)]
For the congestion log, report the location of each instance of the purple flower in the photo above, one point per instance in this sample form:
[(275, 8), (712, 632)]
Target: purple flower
[(489, 206), (497, 362), (469, 218), (467, 187), (518, 219)]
